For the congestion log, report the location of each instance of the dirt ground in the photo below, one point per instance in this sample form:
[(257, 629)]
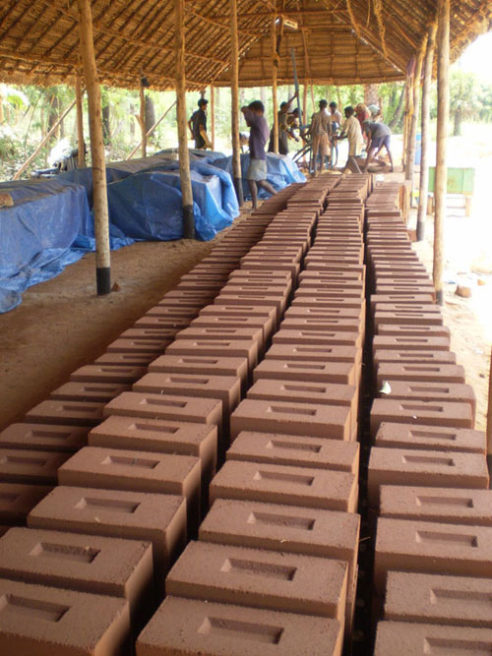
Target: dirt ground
[(62, 324)]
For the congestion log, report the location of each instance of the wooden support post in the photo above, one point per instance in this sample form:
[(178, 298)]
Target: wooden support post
[(406, 119), (274, 84), (212, 116), (425, 129), (304, 103), (489, 416), (79, 95), (142, 120), (184, 155), (442, 134), (100, 195), (413, 121), (236, 145)]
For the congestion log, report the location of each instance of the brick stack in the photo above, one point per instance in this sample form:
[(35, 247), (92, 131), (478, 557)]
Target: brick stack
[(275, 566), (427, 478), (88, 570)]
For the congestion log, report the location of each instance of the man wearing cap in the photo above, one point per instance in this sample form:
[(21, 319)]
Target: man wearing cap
[(198, 126)]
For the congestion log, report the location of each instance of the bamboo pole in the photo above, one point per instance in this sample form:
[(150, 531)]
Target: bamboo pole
[(304, 103), (406, 119), (442, 133), (236, 145), (143, 141), (151, 129), (212, 116), (32, 157), (412, 132), (489, 414), (101, 217), (184, 155), (425, 130), (79, 95), (274, 83)]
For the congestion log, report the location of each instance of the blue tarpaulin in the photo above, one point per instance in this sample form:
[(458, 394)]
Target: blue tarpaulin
[(51, 225), (145, 207), (281, 171), (37, 233)]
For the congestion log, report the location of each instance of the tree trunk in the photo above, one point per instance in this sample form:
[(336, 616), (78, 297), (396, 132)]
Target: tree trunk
[(396, 120), (106, 124), (457, 122), (132, 121), (149, 113), (371, 94), (54, 111)]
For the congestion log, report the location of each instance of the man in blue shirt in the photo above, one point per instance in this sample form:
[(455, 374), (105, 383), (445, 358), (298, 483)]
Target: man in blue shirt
[(258, 136), (379, 135)]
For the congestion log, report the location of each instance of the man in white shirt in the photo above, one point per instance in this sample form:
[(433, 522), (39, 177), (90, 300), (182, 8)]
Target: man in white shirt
[(351, 130)]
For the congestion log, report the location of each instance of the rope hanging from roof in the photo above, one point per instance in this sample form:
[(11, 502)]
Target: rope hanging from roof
[(378, 10)]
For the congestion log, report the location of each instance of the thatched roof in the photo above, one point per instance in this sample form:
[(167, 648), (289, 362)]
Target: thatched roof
[(337, 41)]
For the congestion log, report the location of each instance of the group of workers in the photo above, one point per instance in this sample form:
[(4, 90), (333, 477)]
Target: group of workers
[(362, 127)]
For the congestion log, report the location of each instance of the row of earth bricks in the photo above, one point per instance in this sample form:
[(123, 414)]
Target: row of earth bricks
[(115, 471), (430, 505)]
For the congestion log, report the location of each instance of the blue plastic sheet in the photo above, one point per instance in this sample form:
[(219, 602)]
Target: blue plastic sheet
[(281, 172), (37, 233), (215, 200), (148, 205), (51, 225)]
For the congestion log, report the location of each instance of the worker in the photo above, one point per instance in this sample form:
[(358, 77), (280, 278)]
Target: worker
[(378, 135), (352, 132), (362, 113), (334, 115), (320, 133), (198, 126), (335, 123), (283, 128), (258, 136)]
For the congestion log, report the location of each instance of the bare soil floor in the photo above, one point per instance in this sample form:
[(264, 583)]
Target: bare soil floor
[(62, 324)]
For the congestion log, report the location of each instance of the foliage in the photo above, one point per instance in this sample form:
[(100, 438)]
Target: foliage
[(27, 113)]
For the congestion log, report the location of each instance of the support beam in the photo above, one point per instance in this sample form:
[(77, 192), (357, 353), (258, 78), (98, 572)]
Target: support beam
[(184, 155), (425, 129), (441, 143), (79, 95), (407, 117), (489, 415), (275, 60), (212, 115), (55, 127), (100, 195), (142, 120), (236, 145), (412, 128)]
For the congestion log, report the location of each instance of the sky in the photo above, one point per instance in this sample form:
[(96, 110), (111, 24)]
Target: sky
[(477, 57)]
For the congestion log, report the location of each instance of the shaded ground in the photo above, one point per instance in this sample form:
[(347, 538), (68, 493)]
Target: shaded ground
[(62, 324)]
